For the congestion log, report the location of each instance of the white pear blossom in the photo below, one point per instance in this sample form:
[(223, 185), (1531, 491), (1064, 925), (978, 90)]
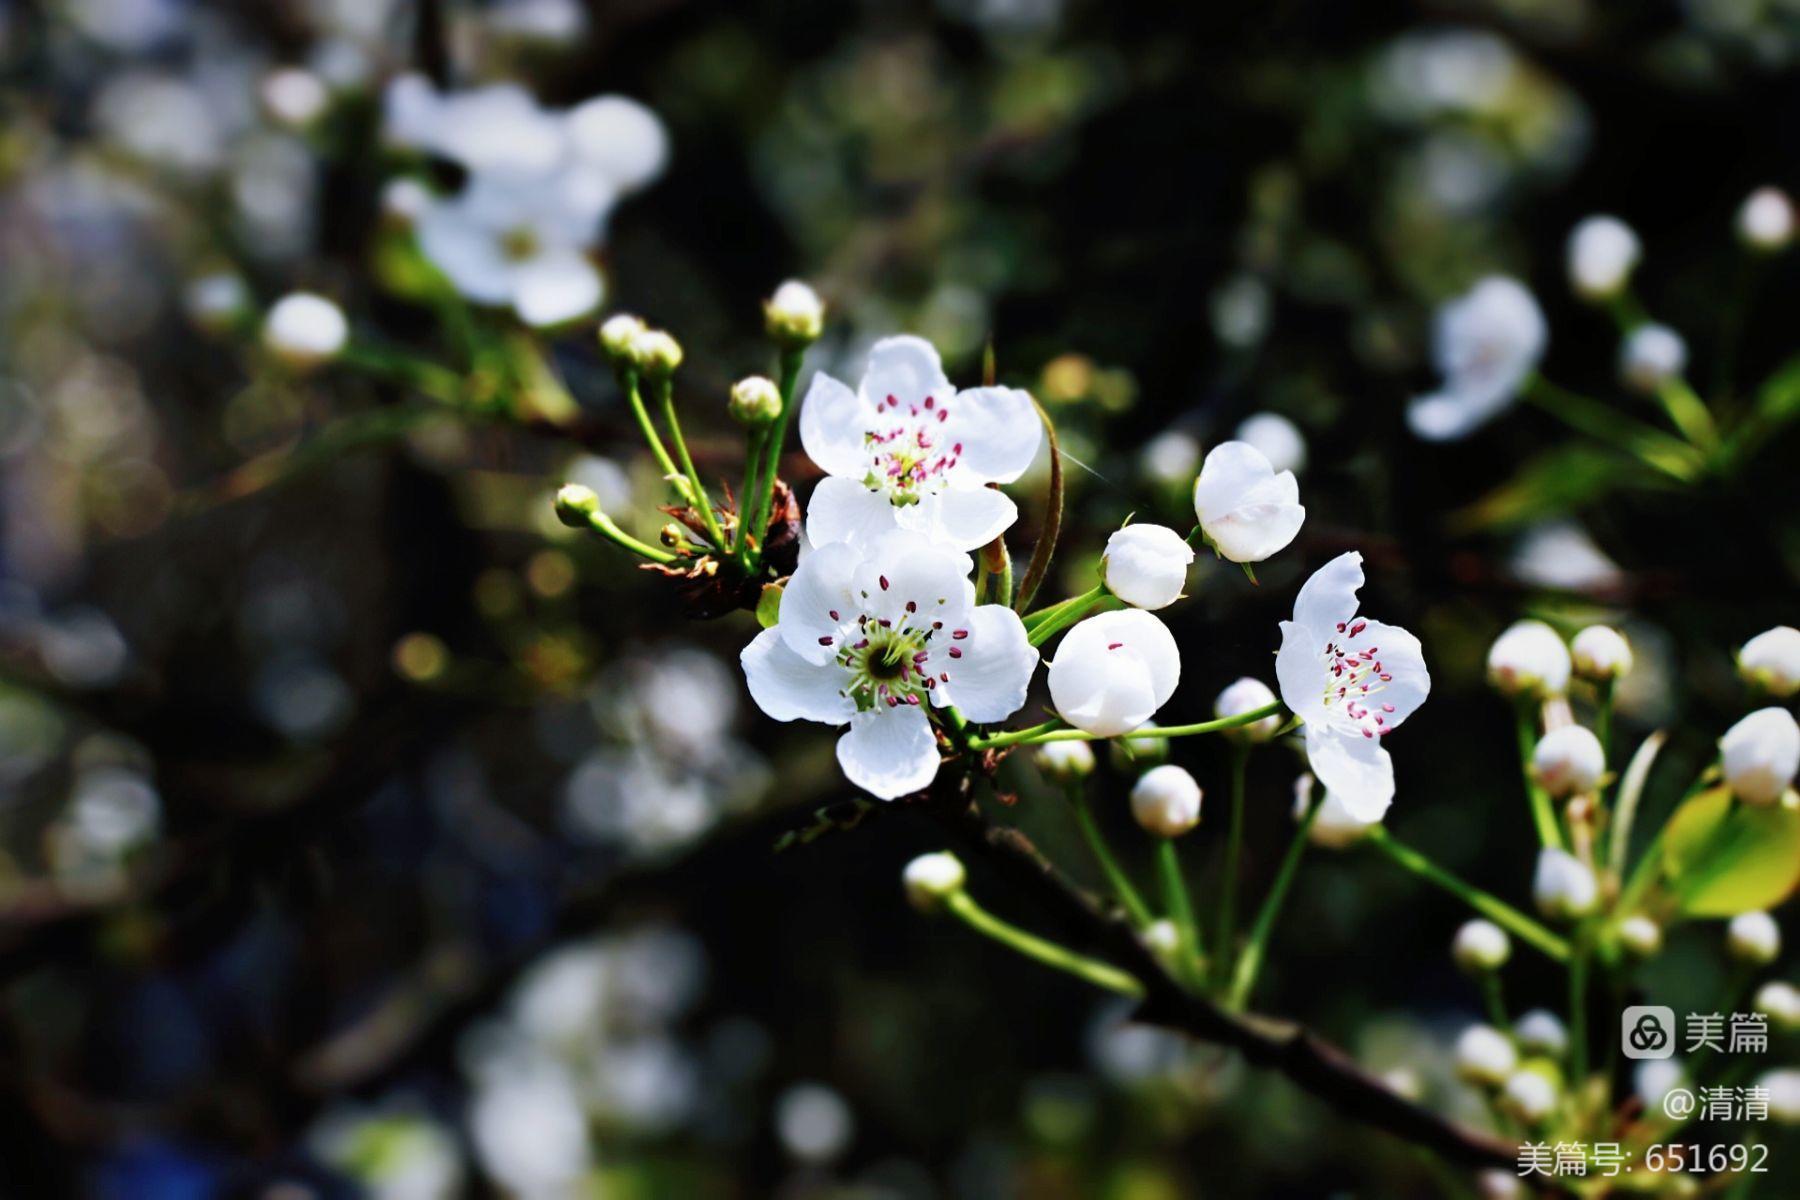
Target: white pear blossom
[(1529, 659), (1564, 887), (1146, 565), (1486, 343), (1480, 946), (1166, 801), (1169, 459), (1650, 356), (1600, 653), (794, 315), (1278, 439), (1754, 938), (1603, 251), (1065, 762), (866, 639), (619, 138), (907, 450), (1771, 661), (1352, 681), (1640, 935), (1569, 761), (1247, 510), (930, 879), (1113, 671), (304, 330), (1529, 1095), (1766, 220), (1780, 1002), (1783, 1088), (1485, 1055), (1761, 755), (294, 96), (1334, 827), (1246, 696), (1541, 1031)]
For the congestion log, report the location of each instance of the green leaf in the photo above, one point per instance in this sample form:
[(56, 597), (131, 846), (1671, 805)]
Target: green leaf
[(1722, 858), (768, 606)]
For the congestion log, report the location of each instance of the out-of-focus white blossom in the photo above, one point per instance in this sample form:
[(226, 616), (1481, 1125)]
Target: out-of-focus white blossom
[(1753, 938), (1564, 887), (814, 1122), (1641, 936), (1783, 1087), (1170, 459), (1166, 801), (1486, 343), (1529, 659), (1246, 696), (1765, 221), (1780, 1002), (1771, 661), (1484, 1055), (1276, 438), (1480, 946), (1602, 253), (1760, 755), (1600, 653), (1064, 761), (1541, 1031), (1650, 356), (1569, 761), (294, 96), (304, 330), (1335, 827), (1561, 555), (1529, 1095)]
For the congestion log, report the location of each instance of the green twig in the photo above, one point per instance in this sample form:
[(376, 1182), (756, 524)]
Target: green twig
[(1488, 905), (1052, 731), (1542, 814)]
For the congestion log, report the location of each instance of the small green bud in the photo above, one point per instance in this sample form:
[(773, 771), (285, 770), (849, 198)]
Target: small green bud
[(656, 352), (576, 505), (794, 315), (755, 401), (618, 335)]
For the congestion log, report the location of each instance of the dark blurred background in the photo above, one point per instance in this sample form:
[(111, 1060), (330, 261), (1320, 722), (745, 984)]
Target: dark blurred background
[(303, 777)]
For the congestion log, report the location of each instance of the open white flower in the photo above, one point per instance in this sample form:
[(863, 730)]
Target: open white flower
[(1486, 343), (907, 450), (1245, 508), (1113, 671), (1146, 565), (865, 639), (1352, 681)]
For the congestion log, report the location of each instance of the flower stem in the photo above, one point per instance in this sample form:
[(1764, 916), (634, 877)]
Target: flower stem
[(754, 446), (1495, 1001), (603, 525), (1055, 620), (1578, 974), (1055, 731), (1542, 815), (1488, 905), (1090, 832), (1648, 444), (1180, 908), (1249, 962), (635, 398), (665, 395), (1226, 935), (791, 358), (1040, 950), (1603, 717)]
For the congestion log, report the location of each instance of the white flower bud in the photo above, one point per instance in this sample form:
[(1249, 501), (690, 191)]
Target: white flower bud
[(755, 401), (1246, 696), (1766, 220), (1761, 755), (1065, 762), (1529, 1095), (931, 879), (1771, 661), (1162, 937), (794, 315), (404, 200), (1564, 887), (1568, 761), (1541, 1031), (1480, 946), (1783, 1087), (1113, 671), (216, 302), (1650, 356), (1603, 251), (1166, 801), (1753, 938), (1278, 439), (1335, 827), (1485, 1055), (294, 96), (619, 334), (1529, 659), (1170, 459), (1246, 508), (1146, 565), (1499, 1185), (1600, 653), (1138, 753), (303, 330), (656, 352), (1641, 936), (575, 504), (1780, 1002)]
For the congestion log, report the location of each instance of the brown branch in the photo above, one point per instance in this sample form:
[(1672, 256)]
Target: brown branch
[(1285, 1046)]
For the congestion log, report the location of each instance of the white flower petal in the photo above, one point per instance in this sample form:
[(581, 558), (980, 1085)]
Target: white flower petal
[(1458, 410), (1113, 671), (833, 424), (1354, 768), (821, 585), (999, 431), (619, 136), (1247, 510), (989, 680), (1328, 599), (1402, 659), (843, 510), (1298, 673), (958, 517), (906, 368), (466, 251), (905, 568), (789, 688), (889, 752), (556, 287)]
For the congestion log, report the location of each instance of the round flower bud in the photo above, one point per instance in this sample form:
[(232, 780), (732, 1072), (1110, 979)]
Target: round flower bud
[(1480, 946), (1065, 762), (1783, 1087), (1761, 755), (931, 879), (1499, 1185), (216, 302), (656, 352), (1166, 801), (1771, 661), (1335, 827), (1279, 440), (1529, 659), (1766, 220), (1650, 356), (1246, 696), (1603, 251), (1146, 565), (1753, 938), (1541, 1031), (1485, 1055), (1569, 761), (1600, 653), (794, 315), (303, 330), (1170, 459), (618, 334), (1139, 752), (1641, 936), (576, 504), (1113, 671), (294, 96), (755, 401), (1564, 887), (1780, 1002), (1529, 1095), (1162, 937)]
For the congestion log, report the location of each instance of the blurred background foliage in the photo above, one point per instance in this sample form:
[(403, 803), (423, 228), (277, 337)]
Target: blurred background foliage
[(362, 830)]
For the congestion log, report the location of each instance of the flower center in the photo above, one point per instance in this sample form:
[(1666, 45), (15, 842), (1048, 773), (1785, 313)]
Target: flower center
[(908, 456), (895, 662), (1354, 676), (519, 244)]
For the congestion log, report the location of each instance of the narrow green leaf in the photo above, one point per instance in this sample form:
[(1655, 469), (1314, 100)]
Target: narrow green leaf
[(1722, 858)]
